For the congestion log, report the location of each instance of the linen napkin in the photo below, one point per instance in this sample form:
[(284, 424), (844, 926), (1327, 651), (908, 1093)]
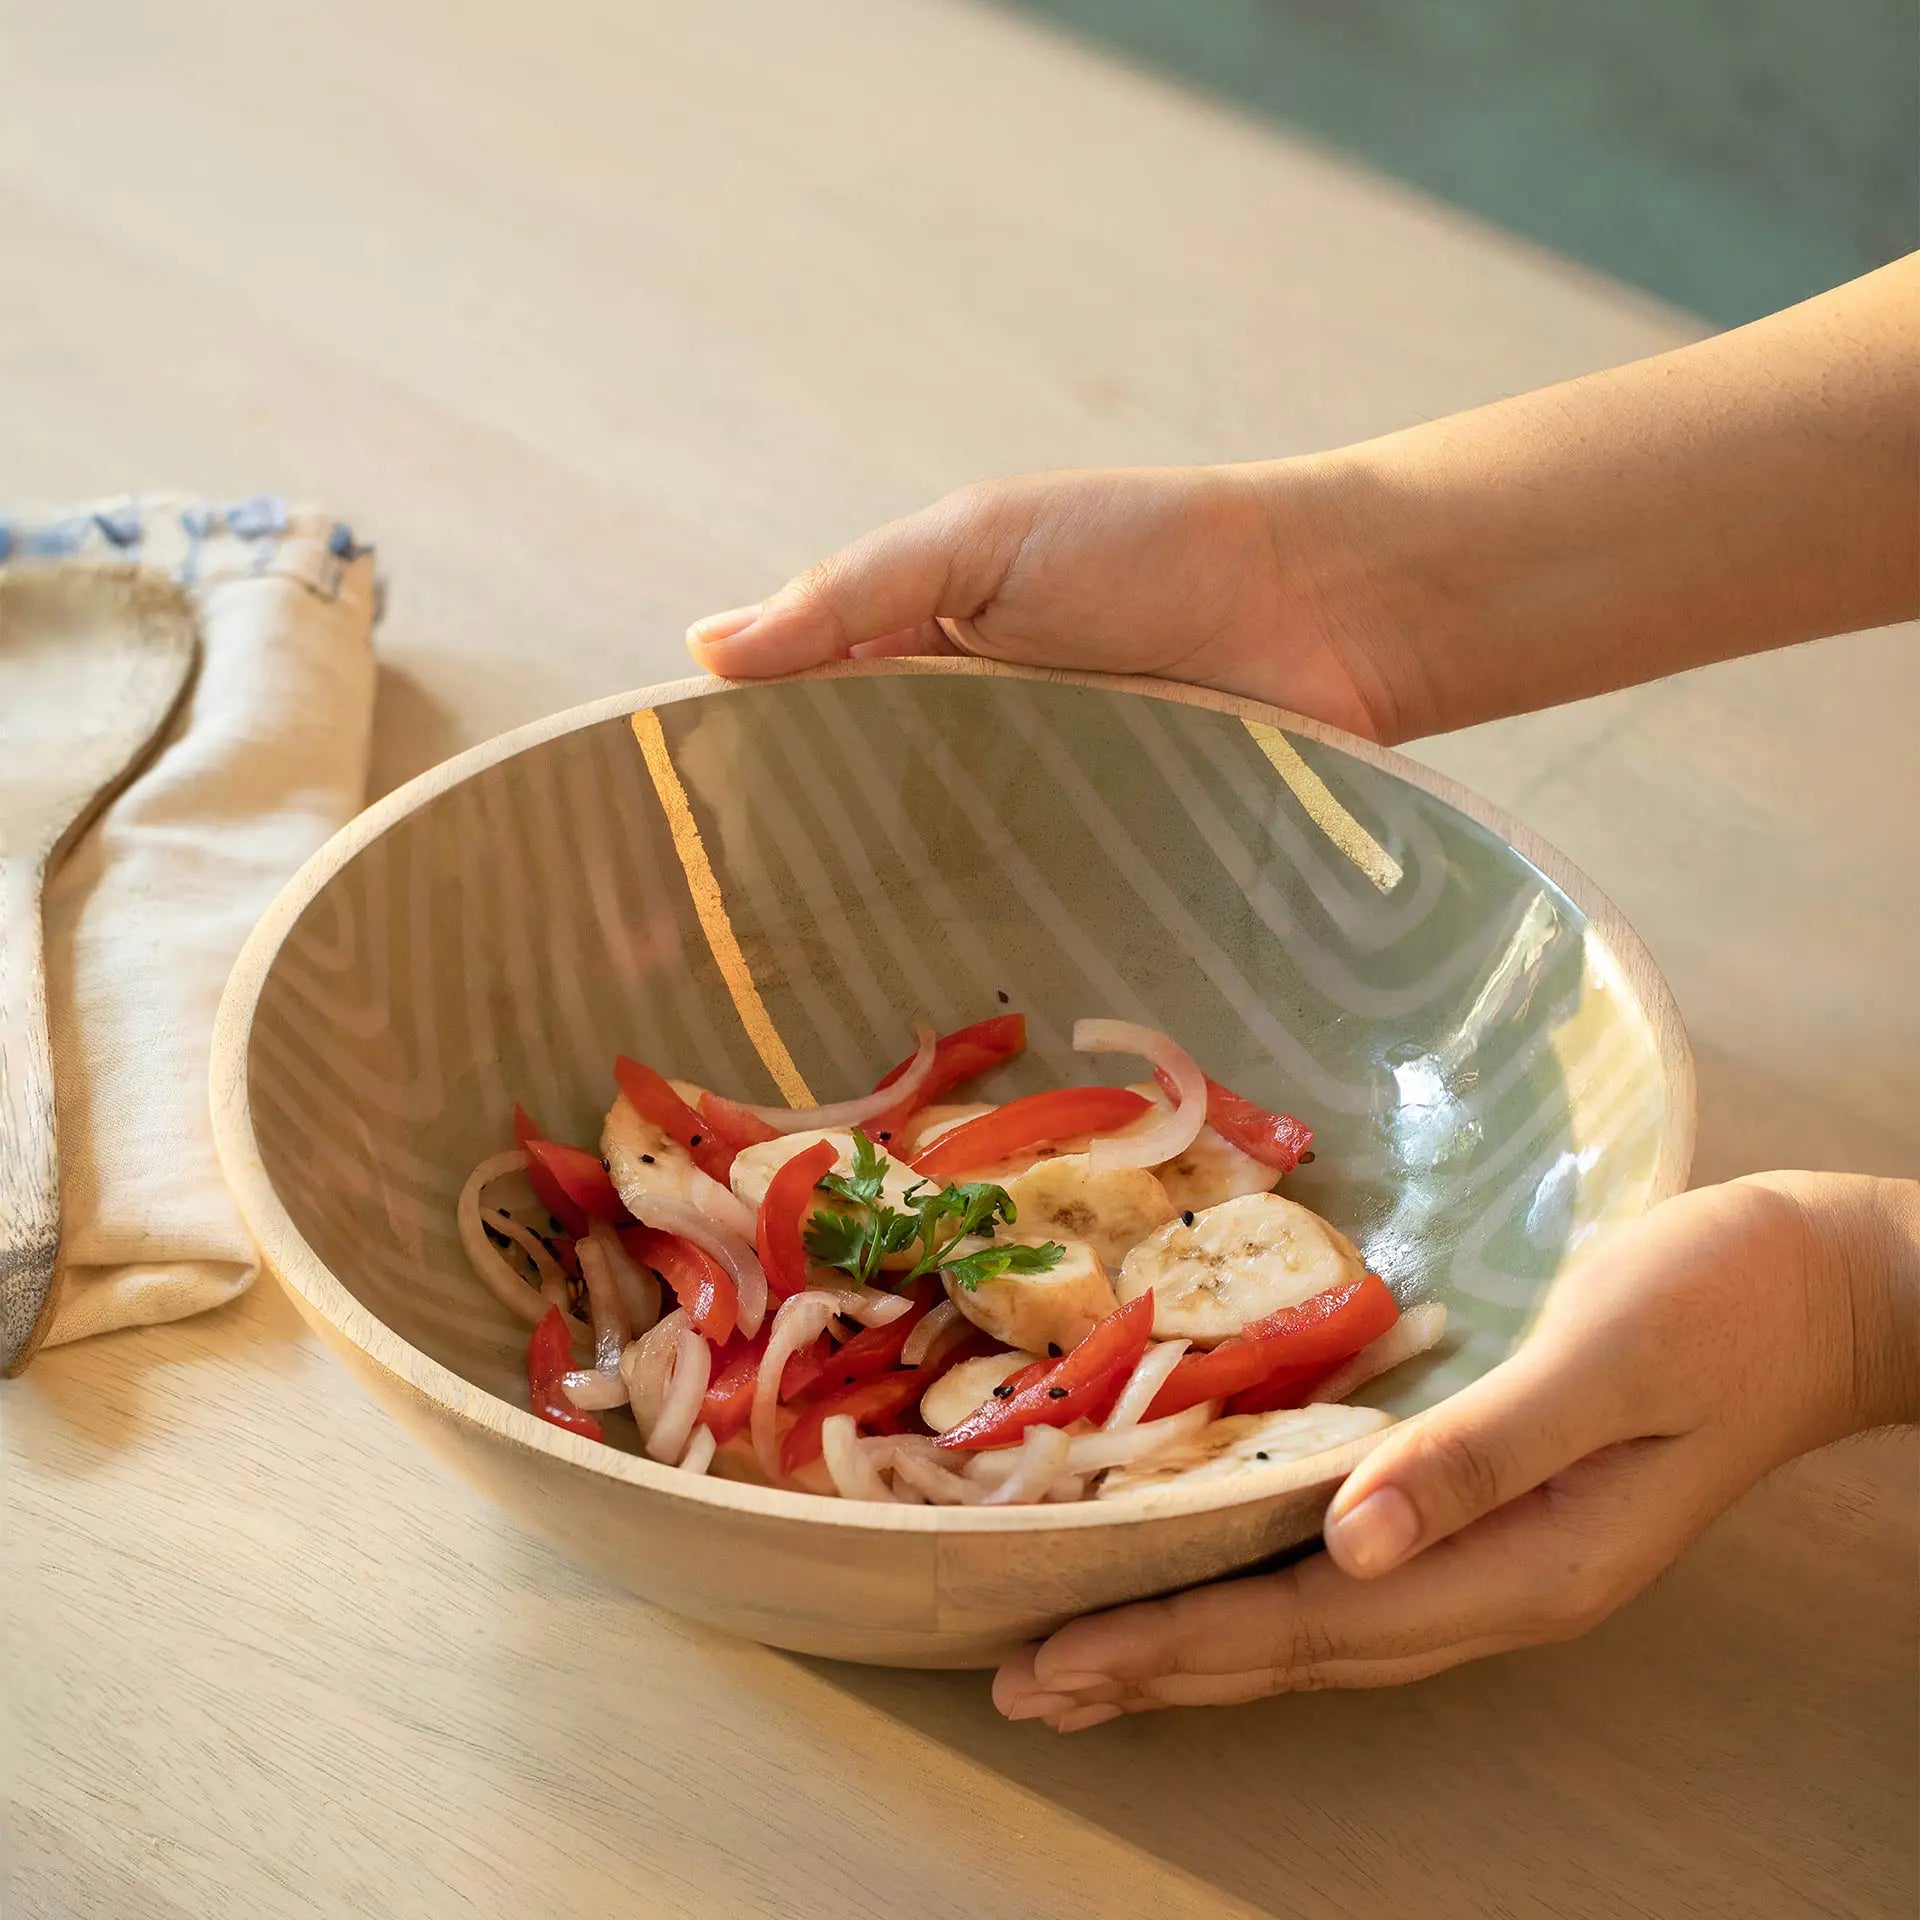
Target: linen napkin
[(144, 919)]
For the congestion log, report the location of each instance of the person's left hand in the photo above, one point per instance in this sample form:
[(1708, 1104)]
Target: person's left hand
[(1682, 1359)]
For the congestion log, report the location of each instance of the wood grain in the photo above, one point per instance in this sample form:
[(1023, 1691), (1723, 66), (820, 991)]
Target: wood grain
[(91, 669), (604, 328)]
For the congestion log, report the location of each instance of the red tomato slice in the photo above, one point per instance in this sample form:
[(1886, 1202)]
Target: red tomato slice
[(728, 1405), (546, 1189), (1284, 1387), (729, 1401), (1313, 1336), (1087, 1378), (1276, 1140), (734, 1126), (780, 1232), (1062, 1114), (884, 1397), (957, 1058), (653, 1099), (877, 1349), (549, 1355), (580, 1177), (702, 1286)]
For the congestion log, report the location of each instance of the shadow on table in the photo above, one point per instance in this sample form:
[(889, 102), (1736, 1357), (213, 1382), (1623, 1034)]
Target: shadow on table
[(96, 1391), (1797, 1780)]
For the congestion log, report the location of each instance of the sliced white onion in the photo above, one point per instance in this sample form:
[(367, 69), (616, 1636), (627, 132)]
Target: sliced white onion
[(854, 1476), (850, 1113), (553, 1282), (1094, 1452), (645, 1365), (1042, 1459), (671, 1214), (939, 1485), (1157, 1138), (594, 1389), (868, 1305), (1149, 1375), (639, 1289), (680, 1405), (700, 1451), (483, 1256), (937, 1321), (719, 1203), (800, 1322), (613, 1328), (1069, 1487), (1414, 1332)]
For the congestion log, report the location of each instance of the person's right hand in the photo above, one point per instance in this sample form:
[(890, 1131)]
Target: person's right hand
[(1220, 576)]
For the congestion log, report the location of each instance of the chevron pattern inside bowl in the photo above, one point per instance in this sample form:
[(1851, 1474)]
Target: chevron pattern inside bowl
[(761, 888)]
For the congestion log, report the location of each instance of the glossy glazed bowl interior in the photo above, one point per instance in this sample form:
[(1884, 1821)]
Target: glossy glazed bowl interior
[(761, 888)]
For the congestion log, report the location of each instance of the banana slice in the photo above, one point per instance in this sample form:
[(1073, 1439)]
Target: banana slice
[(966, 1388), (643, 1159), (1065, 1199), (1039, 1311), (1244, 1442), (754, 1168), (1213, 1272), (1213, 1169)]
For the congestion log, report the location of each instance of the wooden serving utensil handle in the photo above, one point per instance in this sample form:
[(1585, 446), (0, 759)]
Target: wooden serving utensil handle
[(29, 1155)]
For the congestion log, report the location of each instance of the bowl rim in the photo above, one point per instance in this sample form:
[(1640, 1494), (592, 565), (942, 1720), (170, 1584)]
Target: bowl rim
[(284, 1249)]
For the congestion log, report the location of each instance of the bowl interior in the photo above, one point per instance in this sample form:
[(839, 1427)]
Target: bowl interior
[(762, 887)]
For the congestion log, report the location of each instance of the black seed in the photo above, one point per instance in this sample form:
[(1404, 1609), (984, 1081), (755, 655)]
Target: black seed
[(884, 1138), (648, 1158), (1003, 1393), (1303, 1160), (847, 1380), (694, 1141), (1259, 1456), (1186, 1219), (1054, 1349), (604, 1168), (1056, 1393), (494, 1234), (1006, 1000)]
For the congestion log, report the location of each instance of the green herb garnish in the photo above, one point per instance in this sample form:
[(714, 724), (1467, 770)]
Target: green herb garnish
[(938, 1219)]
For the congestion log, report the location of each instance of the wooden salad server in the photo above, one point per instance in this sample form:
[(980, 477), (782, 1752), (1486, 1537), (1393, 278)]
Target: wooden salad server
[(92, 667)]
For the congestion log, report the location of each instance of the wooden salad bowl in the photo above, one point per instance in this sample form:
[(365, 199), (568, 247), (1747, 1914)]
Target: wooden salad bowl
[(761, 888)]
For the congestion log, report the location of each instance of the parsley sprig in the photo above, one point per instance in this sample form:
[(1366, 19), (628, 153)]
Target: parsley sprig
[(937, 1220)]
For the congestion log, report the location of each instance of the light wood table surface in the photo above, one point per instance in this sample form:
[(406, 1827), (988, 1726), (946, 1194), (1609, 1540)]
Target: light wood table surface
[(599, 316)]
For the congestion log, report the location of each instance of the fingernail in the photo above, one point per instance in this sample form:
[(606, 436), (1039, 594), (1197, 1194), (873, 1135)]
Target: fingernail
[(1081, 1718), (1036, 1706), (723, 626), (1076, 1682), (1376, 1534)]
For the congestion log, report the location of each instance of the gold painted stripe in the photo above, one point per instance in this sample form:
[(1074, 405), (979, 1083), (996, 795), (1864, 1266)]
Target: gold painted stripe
[(1324, 810), (709, 904)]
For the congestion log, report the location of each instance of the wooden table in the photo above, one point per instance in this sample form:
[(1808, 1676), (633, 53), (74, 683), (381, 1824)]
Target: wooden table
[(597, 317)]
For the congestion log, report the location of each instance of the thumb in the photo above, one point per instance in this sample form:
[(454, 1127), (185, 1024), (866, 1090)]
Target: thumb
[(949, 559), (1552, 1403)]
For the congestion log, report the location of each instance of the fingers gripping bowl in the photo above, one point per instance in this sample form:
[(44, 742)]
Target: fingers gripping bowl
[(761, 889)]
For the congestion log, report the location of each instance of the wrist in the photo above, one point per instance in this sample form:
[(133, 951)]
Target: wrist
[(1342, 534), (1856, 1252)]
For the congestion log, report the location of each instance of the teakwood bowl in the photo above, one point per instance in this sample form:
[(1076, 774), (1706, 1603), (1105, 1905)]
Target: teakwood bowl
[(760, 888)]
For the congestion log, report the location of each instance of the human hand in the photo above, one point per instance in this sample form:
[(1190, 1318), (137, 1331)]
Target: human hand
[(1223, 576), (1677, 1363), (1746, 491)]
